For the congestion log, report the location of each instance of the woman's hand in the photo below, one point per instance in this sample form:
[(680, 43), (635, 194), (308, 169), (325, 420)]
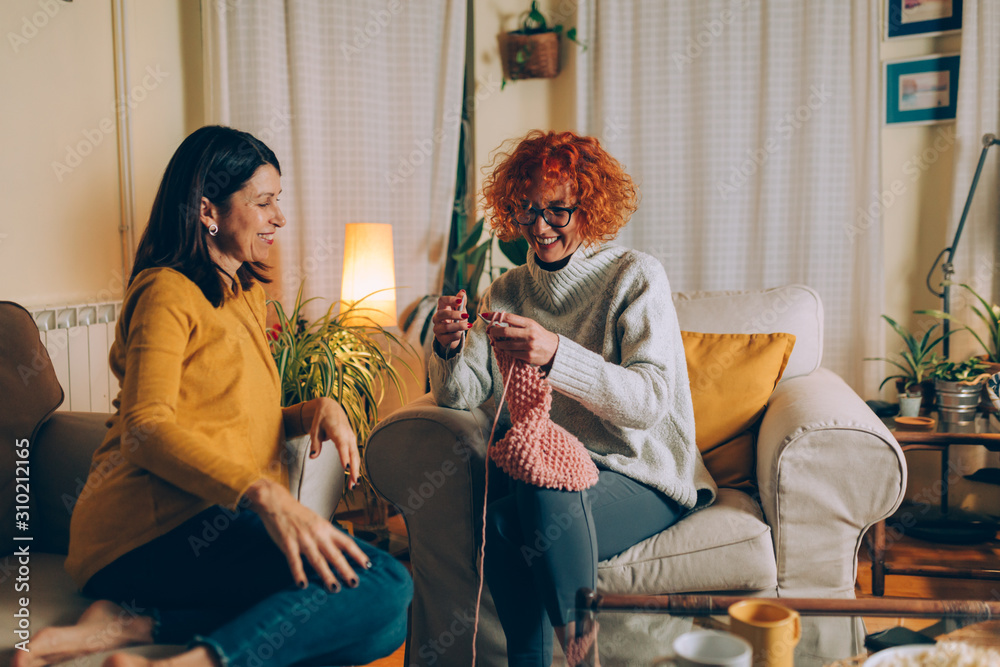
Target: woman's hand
[(523, 339), (301, 533), (451, 320), (326, 420)]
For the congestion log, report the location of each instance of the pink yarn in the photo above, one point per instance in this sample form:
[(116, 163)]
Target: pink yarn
[(536, 450)]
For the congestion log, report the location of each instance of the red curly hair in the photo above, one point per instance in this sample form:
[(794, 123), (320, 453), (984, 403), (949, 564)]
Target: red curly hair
[(603, 190)]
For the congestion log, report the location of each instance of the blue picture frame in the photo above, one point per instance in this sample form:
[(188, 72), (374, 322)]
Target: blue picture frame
[(916, 18), (921, 90)]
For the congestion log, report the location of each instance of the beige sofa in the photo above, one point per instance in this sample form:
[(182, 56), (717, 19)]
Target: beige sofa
[(827, 469), (61, 445)]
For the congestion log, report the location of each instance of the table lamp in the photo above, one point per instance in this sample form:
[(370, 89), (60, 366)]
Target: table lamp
[(948, 267), (369, 279)]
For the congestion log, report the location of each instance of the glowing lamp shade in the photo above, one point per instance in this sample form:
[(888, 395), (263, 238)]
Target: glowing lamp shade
[(369, 272)]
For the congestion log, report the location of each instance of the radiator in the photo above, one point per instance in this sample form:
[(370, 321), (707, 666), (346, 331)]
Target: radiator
[(78, 339)]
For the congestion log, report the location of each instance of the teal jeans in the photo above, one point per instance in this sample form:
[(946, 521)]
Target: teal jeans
[(542, 545)]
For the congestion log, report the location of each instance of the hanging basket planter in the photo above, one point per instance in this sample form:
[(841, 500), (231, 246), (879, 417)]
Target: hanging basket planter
[(530, 55)]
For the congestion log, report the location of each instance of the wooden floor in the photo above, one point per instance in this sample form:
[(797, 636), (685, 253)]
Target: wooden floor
[(910, 551)]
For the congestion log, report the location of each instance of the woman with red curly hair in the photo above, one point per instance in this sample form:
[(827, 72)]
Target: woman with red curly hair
[(597, 319)]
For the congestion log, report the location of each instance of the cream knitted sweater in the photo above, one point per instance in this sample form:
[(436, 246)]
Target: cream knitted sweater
[(619, 374)]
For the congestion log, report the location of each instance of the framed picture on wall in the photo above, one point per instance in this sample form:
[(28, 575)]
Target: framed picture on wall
[(913, 18), (921, 90)]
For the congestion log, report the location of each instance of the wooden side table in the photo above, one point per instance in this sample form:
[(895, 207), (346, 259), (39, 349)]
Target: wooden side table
[(911, 441)]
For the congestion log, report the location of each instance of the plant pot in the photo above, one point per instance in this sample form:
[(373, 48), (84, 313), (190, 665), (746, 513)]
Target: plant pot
[(530, 56), (927, 391), (909, 406), (957, 402)]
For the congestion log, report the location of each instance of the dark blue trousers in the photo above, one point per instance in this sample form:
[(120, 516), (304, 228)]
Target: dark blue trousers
[(543, 545), (219, 580)]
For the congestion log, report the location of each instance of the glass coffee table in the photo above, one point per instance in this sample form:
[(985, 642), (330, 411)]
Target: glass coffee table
[(637, 630)]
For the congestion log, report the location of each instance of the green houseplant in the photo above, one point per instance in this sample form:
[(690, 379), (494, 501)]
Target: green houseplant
[(988, 314), (342, 355), (915, 361)]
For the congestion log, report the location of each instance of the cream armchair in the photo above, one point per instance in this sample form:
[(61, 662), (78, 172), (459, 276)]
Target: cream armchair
[(827, 469)]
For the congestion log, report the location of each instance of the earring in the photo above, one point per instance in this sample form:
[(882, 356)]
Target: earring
[(213, 229)]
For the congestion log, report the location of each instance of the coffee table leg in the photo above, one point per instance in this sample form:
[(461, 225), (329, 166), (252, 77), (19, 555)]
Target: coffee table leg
[(945, 474), (878, 559)]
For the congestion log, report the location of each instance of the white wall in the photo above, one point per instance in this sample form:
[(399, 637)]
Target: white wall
[(59, 239)]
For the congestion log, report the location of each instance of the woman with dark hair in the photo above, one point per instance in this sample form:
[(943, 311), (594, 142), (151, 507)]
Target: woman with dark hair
[(598, 322), (186, 531)]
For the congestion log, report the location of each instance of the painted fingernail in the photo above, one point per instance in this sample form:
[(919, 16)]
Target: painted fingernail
[(469, 325), (302, 584), (465, 316), (353, 583), (368, 565), (334, 587)]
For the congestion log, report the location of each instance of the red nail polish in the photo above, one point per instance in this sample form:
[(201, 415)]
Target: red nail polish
[(465, 316), (469, 325)]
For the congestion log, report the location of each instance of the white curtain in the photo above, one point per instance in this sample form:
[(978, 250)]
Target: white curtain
[(752, 129), (978, 114), (361, 101)]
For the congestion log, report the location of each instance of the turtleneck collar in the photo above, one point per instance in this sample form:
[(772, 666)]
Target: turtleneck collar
[(553, 266), (569, 286)]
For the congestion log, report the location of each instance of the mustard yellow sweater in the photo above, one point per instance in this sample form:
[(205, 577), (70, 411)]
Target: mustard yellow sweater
[(198, 417)]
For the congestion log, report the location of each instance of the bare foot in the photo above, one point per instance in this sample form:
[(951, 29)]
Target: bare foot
[(104, 626), (196, 657)]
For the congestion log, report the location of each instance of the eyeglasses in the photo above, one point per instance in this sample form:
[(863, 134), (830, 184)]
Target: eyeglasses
[(554, 216)]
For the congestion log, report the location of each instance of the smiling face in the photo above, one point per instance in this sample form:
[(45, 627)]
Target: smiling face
[(246, 231), (552, 244)]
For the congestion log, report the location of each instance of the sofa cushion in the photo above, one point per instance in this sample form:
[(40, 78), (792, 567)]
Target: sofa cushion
[(61, 458), (732, 377), (55, 601), (30, 392), (725, 546), (794, 309)]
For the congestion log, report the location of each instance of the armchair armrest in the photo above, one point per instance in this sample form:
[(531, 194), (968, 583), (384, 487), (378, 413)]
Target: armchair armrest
[(318, 483), (827, 469), (429, 462)]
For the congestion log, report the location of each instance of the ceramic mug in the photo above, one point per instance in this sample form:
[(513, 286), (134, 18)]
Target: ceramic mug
[(771, 629), (708, 648)]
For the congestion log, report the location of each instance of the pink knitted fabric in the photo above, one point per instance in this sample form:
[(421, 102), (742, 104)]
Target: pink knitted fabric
[(536, 450)]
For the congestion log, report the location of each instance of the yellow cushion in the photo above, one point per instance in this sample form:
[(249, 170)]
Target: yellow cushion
[(732, 377)]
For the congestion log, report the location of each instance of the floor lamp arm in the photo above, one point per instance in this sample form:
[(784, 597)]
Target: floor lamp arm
[(947, 266)]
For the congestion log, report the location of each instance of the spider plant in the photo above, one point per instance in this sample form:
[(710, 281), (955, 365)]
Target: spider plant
[(343, 355), (989, 315), (916, 360)]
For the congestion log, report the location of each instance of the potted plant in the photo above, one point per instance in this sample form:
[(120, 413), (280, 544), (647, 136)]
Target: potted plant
[(532, 51), (342, 355), (915, 362), (959, 388)]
